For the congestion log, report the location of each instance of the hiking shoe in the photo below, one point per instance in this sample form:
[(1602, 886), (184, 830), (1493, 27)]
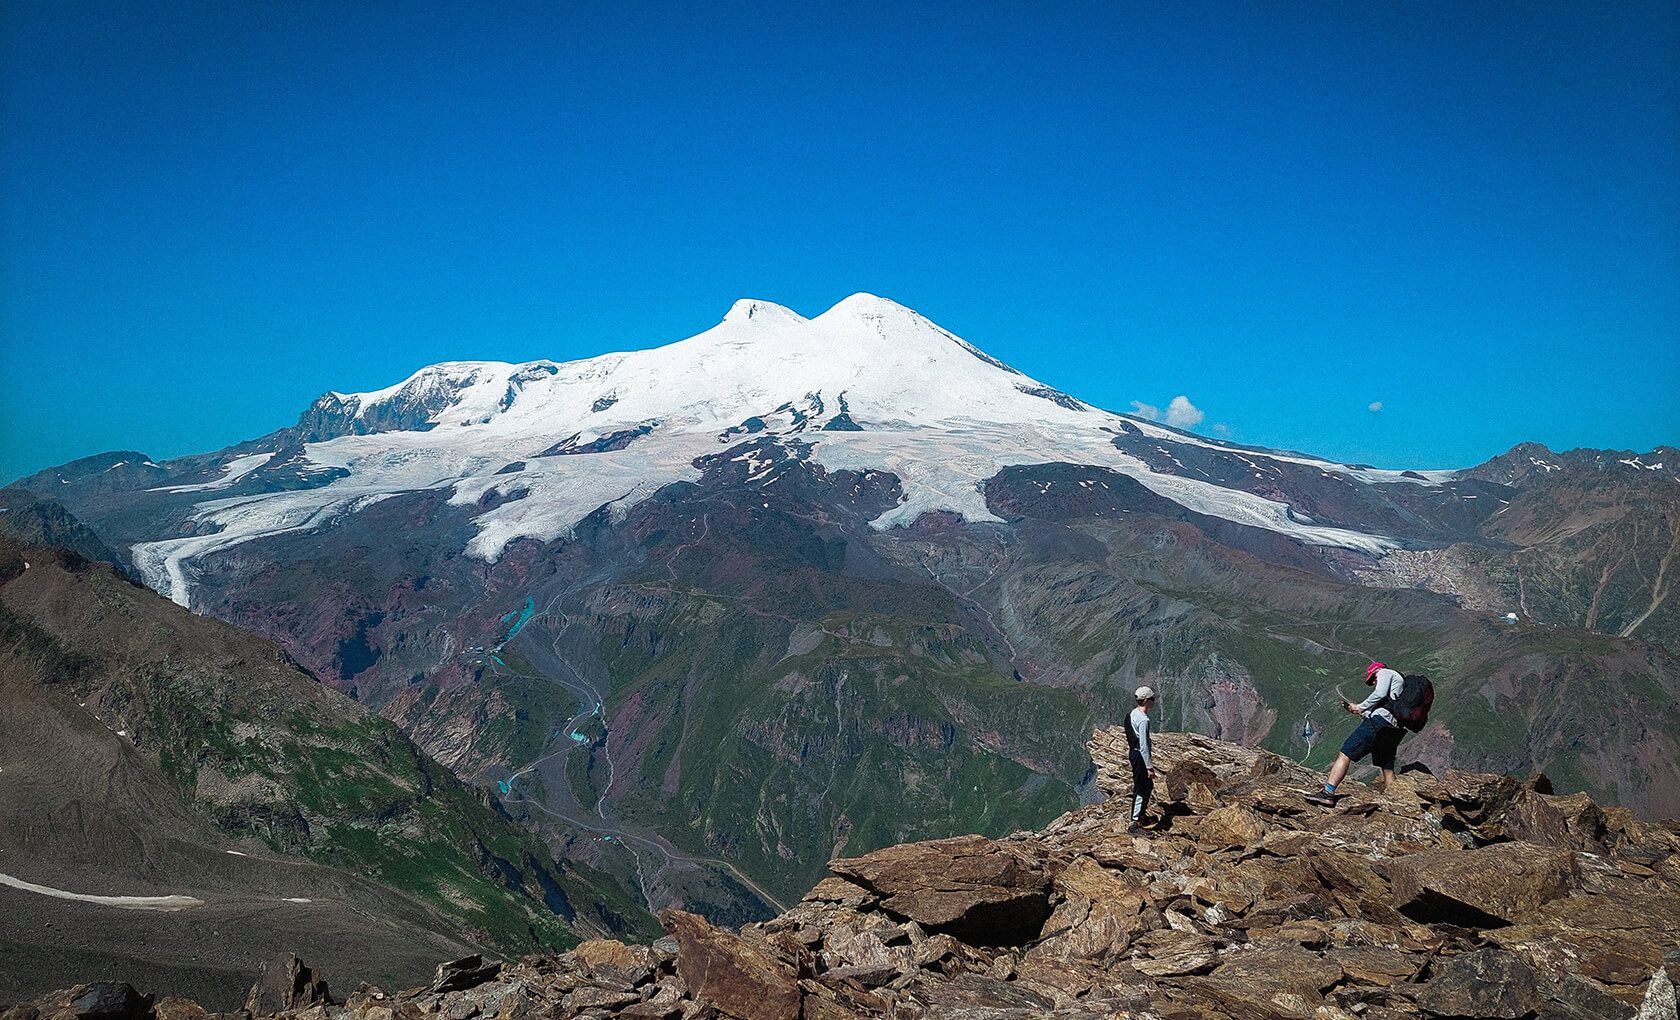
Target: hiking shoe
[(1321, 799), (1137, 830)]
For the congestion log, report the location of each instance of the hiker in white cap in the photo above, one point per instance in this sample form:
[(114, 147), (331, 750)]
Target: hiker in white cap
[(1143, 762)]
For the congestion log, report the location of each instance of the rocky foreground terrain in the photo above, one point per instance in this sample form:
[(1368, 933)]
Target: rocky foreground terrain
[(1464, 895)]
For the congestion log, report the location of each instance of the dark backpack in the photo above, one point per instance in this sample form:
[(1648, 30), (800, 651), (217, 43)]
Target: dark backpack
[(1411, 706)]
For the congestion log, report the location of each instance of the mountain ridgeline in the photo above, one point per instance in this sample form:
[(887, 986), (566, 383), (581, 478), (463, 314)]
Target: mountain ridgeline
[(708, 615)]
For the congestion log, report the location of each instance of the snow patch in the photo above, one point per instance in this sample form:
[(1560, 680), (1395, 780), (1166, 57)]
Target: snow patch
[(232, 472)]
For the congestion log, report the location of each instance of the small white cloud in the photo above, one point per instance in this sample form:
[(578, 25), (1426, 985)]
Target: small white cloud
[(1181, 413), (1221, 428), (1143, 410), (1376, 405)]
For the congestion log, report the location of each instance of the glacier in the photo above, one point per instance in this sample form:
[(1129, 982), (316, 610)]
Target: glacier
[(867, 385)]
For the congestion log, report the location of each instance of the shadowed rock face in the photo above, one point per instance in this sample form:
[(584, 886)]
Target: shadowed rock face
[(969, 887), (1313, 914), (1485, 887)]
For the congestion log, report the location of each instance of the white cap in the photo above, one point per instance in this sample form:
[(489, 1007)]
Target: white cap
[(1145, 692)]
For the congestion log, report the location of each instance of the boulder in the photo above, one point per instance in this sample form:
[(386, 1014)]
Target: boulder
[(970, 887), (1187, 774), (1096, 917), (741, 979), (1375, 965), (1475, 803), (1490, 984), (467, 972), (284, 983), (109, 1000), (1532, 818), (1231, 826), (1482, 888)]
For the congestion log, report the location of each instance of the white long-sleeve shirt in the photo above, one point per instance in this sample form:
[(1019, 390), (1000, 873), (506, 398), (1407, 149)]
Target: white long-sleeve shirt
[(1389, 683), (1139, 722)]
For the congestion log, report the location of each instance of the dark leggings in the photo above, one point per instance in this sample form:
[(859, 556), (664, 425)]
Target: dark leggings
[(1142, 785)]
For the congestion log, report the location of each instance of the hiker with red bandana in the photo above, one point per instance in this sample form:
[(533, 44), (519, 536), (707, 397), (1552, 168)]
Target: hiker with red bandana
[(1378, 735)]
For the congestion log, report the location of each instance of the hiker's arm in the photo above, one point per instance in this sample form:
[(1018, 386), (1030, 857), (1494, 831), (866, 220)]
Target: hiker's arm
[(1379, 694)]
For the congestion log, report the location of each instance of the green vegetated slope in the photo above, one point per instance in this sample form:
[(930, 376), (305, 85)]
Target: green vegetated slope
[(264, 751), (777, 741)]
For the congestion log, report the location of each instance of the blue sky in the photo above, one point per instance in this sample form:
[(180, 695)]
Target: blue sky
[(1467, 213)]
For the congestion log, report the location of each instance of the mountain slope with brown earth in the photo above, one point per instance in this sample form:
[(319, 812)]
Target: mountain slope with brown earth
[(1468, 895), (1587, 538), (148, 752)]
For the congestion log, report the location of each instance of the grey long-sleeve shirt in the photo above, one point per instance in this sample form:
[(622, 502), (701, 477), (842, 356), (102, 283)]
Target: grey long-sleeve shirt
[(1389, 683)]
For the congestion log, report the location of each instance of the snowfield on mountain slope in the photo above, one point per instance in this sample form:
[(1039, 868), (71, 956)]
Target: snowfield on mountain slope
[(925, 405), (120, 902)]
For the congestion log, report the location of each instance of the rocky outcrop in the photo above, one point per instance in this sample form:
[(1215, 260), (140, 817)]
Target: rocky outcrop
[(284, 983), (969, 887), (1244, 903)]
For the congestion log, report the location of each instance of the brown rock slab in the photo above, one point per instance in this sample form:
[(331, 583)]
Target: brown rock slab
[(1065, 978), (1176, 954), (1482, 888), (824, 1004), (977, 990), (743, 980), (1300, 971), (171, 1007), (1640, 912), (1237, 998), (971, 887), (595, 952), (838, 890), (1532, 818), (592, 997), (1354, 885), (1375, 965), (1231, 826)]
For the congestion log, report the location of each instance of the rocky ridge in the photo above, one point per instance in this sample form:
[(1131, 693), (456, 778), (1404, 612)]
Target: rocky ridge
[(1467, 895)]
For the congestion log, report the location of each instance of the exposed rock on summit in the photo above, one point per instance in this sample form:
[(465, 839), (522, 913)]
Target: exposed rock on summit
[(1245, 904)]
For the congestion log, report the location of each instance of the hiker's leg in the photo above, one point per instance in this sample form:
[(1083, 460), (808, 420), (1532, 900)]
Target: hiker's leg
[(1383, 751), (1142, 786), (1338, 771)]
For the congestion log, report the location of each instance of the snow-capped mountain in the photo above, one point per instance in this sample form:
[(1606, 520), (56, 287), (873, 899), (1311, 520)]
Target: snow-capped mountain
[(867, 385)]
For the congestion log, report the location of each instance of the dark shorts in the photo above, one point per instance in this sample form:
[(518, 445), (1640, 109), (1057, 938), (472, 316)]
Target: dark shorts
[(1376, 738)]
